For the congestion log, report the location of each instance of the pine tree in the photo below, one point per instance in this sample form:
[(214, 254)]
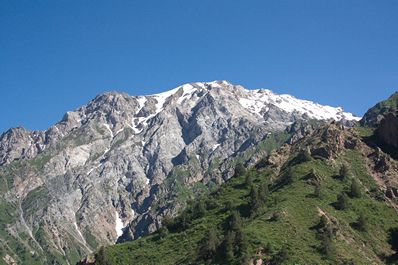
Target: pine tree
[(241, 244), (288, 177), (228, 206), (342, 201), (200, 209), (282, 255), (327, 247), (235, 221), (100, 257), (210, 244), (269, 249), (393, 241), (183, 220), (362, 222), (263, 192), (228, 246), (318, 191), (254, 203), (323, 223), (307, 155), (355, 190), (163, 232), (248, 180), (344, 172)]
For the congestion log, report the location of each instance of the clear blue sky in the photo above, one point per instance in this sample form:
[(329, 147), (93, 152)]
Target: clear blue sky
[(56, 55)]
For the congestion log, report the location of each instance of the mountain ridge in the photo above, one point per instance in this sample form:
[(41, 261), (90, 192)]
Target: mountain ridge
[(110, 170)]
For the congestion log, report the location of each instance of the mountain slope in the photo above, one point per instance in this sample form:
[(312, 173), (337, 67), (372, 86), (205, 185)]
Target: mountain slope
[(312, 212), (111, 170)]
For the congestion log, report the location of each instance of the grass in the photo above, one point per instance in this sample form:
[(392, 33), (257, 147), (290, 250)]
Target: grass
[(294, 229)]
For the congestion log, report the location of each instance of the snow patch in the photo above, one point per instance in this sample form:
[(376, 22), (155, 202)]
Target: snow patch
[(258, 101), (188, 91), (141, 103), (141, 122), (109, 129), (93, 168), (118, 131), (119, 225), (215, 146), (162, 97), (78, 231)]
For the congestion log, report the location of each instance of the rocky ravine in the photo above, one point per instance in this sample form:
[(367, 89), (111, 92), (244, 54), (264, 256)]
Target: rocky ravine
[(111, 169)]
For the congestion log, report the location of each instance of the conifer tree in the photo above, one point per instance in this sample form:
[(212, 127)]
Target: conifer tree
[(362, 222), (263, 191), (228, 246), (344, 172), (248, 180), (199, 209), (342, 201), (254, 203), (235, 222), (210, 244), (355, 189), (318, 191)]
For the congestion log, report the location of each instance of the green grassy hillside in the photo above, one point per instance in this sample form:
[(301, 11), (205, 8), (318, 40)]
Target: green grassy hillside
[(307, 210)]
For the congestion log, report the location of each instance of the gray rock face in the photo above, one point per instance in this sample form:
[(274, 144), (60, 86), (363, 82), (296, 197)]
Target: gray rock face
[(387, 130), (111, 169), (17, 143)]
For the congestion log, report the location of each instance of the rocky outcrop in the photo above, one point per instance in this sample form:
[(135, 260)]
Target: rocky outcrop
[(18, 143), (375, 114), (387, 131)]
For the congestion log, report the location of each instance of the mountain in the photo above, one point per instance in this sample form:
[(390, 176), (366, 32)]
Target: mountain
[(328, 198), (112, 169)]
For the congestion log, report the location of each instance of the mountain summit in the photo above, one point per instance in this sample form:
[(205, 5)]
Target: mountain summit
[(110, 170)]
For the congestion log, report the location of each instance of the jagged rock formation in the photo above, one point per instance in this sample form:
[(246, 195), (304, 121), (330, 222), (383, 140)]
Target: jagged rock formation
[(387, 131), (111, 169)]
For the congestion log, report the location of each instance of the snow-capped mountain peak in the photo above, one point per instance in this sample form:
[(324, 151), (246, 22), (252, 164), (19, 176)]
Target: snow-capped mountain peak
[(258, 101)]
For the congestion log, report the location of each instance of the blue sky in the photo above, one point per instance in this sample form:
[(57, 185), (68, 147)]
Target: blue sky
[(57, 55)]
